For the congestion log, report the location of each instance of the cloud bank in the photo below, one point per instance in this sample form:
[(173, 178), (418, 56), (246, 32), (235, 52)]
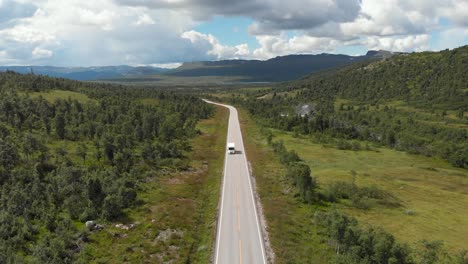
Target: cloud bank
[(105, 32)]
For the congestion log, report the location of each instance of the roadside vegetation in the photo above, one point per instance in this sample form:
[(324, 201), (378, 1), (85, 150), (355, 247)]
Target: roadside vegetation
[(178, 209), (64, 162)]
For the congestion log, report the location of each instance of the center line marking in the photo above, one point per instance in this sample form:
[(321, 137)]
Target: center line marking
[(240, 251), (238, 219), (234, 126)]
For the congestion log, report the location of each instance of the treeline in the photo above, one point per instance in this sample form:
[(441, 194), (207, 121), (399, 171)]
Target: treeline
[(383, 125), (67, 161), (298, 173)]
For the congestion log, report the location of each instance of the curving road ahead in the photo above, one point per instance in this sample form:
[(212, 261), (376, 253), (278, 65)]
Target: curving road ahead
[(238, 239)]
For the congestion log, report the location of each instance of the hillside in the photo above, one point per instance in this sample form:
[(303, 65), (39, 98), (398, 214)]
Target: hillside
[(273, 70), (86, 73), (410, 102), (437, 80)]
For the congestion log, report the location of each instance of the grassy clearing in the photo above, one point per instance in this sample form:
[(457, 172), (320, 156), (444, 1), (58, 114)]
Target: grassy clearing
[(177, 214), (291, 231), (286, 94), (55, 95), (433, 194), (165, 80)]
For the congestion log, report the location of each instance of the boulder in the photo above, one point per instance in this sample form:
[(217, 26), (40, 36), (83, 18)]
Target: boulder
[(90, 225)]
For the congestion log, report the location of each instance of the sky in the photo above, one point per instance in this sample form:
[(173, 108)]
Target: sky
[(168, 32)]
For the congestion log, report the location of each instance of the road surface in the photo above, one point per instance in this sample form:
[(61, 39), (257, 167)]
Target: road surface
[(238, 237)]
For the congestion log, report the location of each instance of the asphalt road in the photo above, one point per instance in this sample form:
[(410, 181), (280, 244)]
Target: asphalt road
[(238, 239)]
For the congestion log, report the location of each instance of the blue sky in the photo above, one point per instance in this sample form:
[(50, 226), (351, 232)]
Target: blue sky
[(150, 32)]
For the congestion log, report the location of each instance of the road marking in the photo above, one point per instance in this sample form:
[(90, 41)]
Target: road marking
[(240, 251), (252, 192), (250, 185), (238, 219), (222, 197)]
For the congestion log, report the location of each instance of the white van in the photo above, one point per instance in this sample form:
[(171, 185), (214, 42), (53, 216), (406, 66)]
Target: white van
[(231, 148)]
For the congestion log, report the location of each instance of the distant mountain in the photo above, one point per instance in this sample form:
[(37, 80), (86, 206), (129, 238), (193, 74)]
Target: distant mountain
[(282, 68), (86, 73)]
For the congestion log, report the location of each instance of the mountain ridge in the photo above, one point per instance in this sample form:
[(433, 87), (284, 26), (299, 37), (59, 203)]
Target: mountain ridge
[(277, 69), (86, 73), (281, 68)]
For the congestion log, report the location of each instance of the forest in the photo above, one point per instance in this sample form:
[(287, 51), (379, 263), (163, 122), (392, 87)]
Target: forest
[(66, 161)]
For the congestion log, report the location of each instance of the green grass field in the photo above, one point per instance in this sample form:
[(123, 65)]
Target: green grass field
[(177, 212), (165, 80), (433, 194), (290, 222), (54, 95)]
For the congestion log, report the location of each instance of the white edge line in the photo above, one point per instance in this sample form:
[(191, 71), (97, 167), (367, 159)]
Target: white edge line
[(222, 191), (250, 185)]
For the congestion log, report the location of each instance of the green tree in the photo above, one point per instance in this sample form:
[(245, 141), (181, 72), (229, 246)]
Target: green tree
[(95, 193), (300, 175), (111, 207), (60, 126), (430, 250), (9, 156)]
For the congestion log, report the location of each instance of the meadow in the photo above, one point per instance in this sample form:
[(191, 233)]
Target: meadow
[(432, 193)]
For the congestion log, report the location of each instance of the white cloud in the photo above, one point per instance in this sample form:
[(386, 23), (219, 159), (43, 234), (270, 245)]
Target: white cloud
[(165, 65), (402, 44), (389, 17), (25, 34), (98, 33), (214, 48), (457, 12), (271, 46), (39, 53), (104, 32), (145, 19), (270, 15), (6, 58), (3, 53)]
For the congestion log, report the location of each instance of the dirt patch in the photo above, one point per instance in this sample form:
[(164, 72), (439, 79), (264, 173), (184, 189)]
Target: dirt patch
[(175, 181), (164, 235), (191, 175)]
